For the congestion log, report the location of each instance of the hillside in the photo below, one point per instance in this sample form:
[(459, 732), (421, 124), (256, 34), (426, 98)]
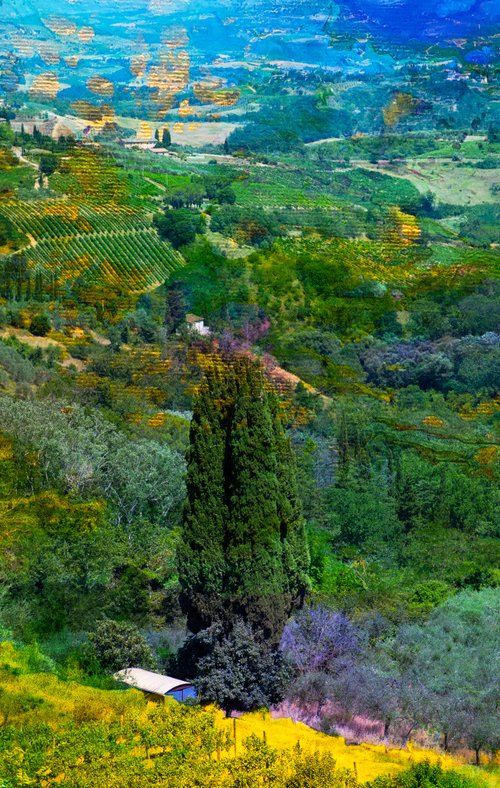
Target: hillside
[(74, 735), (249, 393)]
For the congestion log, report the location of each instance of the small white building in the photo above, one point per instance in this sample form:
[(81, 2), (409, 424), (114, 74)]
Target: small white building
[(138, 143), (156, 684), (162, 151), (197, 324)]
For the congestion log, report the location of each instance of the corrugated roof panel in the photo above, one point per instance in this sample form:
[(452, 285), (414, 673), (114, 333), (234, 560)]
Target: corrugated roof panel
[(147, 681)]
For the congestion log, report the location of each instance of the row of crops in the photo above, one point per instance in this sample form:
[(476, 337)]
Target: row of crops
[(306, 187), (133, 259), (58, 218), (267, 195), (97, 243)]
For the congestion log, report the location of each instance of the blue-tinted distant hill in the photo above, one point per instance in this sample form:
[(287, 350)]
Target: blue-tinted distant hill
[(437, 20), (353, 38), (434, 19)]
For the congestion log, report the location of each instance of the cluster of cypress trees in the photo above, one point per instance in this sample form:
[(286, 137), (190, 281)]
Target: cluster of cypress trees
[(243, 556), (16, 282)]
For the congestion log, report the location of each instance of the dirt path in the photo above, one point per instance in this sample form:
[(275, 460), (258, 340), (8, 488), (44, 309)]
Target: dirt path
[(41, 342), (99, 339), (325, 141), (156, 183), (30, 339), (18, 153), (45, 180)]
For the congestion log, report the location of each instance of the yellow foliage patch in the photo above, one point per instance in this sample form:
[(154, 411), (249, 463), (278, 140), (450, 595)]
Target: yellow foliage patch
[(368, 760), (60, 25), (483, 409), (65, 704), (6, 451), (158, 420), (86, 34), (433, 421), (487, 455), (400, 228), (100, 86), (45, 85), (402, 104)]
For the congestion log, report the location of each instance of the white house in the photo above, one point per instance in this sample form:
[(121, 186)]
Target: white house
[(197, 324)]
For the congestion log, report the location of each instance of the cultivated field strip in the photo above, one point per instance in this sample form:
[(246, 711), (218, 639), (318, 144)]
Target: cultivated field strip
[(110, 244), (56, 218), (135, 258)]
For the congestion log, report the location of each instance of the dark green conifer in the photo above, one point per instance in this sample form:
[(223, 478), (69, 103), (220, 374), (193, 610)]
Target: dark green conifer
[(293, 534), (166, 138), (201, 553), (242, 526)]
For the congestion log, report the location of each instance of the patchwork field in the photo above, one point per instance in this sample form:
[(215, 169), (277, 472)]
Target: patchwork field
[(449, 181), (104, 244)]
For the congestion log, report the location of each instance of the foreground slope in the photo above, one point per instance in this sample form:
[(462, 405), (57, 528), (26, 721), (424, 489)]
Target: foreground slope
[(56, 732)]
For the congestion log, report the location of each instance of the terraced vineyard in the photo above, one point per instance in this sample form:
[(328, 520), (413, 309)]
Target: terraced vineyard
[(54, 218), (103, 245), (133, 259)]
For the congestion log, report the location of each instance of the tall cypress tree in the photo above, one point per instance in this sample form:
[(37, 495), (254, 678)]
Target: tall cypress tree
[(254, 551), (201, 552), (242, 523), (175, 308), (293, 535)]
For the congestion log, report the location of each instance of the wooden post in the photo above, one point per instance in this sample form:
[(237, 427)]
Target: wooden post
[(264, 737), (355, 771), (234, 735)]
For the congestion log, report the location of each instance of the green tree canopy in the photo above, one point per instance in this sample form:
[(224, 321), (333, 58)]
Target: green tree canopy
[(240, 673), (117, 645), (180, 227), (453, 661), (243, 551)]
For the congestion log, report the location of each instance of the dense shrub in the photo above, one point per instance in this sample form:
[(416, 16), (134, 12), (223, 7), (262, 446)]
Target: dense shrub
[(427, 775), (82, 453), (238, 672), (180, 227), (19, 368), (116, 645), (40, 325)]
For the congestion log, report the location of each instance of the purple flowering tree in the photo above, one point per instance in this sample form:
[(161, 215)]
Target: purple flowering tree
[(321, 646), (320, 639)]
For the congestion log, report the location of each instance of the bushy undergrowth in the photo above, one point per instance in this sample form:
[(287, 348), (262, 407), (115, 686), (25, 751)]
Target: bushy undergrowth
[(54, 732)]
